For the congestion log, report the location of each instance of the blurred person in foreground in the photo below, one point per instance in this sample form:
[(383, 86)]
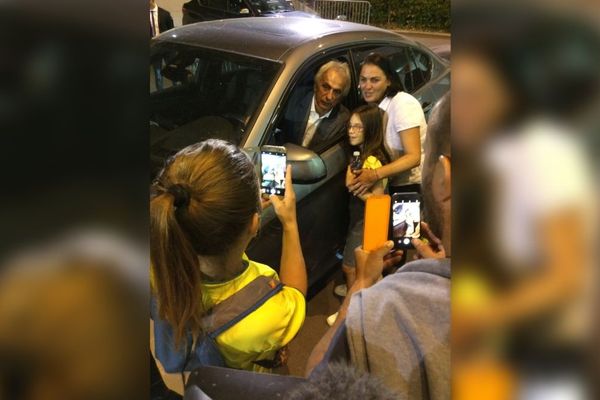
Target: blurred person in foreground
[(525, 209), (70, 319), (340, 381), (398, 328)]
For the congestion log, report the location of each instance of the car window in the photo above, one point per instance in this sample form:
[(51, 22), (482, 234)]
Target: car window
[(233, 6), (434, 92), (412, 65), (202, 94), (290, 124), (218, 4), (272, 6), (441, 86)]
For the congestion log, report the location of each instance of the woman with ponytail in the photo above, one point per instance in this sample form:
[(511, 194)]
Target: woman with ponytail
[(204, 210)]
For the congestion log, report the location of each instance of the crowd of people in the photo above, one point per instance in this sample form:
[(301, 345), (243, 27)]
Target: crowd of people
[(396, 328)]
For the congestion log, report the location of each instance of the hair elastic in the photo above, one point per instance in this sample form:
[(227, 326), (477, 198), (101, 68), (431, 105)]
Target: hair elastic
[(180, 194)]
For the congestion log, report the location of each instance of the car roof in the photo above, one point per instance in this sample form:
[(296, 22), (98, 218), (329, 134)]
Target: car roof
[(272, 38)]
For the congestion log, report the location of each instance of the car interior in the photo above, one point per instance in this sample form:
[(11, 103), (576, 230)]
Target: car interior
[(187, 100)]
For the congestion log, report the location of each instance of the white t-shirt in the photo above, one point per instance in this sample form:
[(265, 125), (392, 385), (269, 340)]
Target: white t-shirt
[(541, 171), (404, 112)]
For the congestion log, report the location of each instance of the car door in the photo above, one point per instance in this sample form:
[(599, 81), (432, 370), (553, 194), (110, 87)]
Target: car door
[(322, 207)]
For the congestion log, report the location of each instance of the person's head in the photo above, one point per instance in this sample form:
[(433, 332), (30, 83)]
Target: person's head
[(152, 4), (481, 98), (332, 84), (365, 130), (205, 206), (340, 382), (377, 79), (58, 301), (437, 182), (543, 65)]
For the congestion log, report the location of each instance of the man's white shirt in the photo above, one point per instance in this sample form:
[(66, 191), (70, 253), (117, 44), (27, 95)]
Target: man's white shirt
[(313, 123)]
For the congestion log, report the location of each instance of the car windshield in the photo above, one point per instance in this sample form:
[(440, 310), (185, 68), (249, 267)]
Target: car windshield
[(201, 94), (272, 6)]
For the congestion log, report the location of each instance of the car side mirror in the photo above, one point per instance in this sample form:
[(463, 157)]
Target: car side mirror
[(307, 166)]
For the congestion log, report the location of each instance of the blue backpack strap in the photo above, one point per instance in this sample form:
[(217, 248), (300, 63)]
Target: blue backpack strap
[(225, 315), (220, 318)]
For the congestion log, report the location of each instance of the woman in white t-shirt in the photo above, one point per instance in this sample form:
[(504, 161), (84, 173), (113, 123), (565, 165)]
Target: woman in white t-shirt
[(405, 128), (538, 214)]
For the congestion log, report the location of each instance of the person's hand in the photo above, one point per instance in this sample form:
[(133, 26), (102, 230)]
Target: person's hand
[(370, 264), (392, 259), (432, 247), (363, 180), (265, 202), (286, 208)]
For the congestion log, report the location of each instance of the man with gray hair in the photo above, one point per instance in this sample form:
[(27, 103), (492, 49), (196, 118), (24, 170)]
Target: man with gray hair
[(316, 117)]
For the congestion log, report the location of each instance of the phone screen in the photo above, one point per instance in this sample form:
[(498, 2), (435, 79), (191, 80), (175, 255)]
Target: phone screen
[(406, 218), (272, 166)]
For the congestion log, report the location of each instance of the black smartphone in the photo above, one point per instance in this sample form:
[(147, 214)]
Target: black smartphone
[(405, 219), (272, 170)]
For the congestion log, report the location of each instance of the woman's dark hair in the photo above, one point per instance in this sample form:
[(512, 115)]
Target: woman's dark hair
[(371, 117), (547, 60), (200, 204), (384, 64)]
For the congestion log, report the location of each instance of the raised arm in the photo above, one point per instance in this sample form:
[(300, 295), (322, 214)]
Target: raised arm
[(369, 266), (292, 268)]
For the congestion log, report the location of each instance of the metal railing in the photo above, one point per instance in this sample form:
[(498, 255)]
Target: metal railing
[(345, 10)]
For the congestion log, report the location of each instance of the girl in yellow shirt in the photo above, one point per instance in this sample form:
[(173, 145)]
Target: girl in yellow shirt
[(365, 134), (204, 210)]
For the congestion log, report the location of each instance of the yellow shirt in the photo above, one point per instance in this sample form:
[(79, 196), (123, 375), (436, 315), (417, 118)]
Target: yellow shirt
[(373, 163), (263, 332)]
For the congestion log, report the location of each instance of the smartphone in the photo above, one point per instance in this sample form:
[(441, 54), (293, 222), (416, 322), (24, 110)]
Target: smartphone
[(405, 219), (377, 218), (272, 167)]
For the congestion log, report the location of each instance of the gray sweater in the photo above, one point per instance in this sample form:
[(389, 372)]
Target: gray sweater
[(399, 330)]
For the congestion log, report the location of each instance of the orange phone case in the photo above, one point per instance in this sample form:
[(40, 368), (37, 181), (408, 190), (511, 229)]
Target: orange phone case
[(377, 221)]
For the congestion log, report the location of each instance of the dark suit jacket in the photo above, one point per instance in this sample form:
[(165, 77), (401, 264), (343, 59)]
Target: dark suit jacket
[(165, 21), (296, 118)]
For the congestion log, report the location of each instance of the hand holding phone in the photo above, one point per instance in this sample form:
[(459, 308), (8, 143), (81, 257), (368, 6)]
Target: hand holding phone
[(429, 245), (273, 170), (370, 264), (285, 208)]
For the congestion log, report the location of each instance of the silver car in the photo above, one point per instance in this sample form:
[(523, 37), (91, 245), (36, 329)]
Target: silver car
[(233, 79)]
